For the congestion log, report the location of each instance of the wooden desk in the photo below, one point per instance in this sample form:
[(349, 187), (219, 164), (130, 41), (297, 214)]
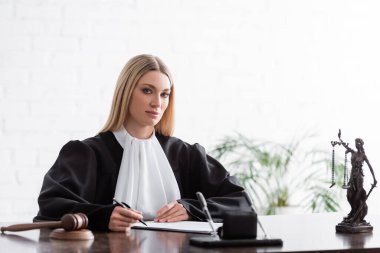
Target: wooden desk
[(300, 233)]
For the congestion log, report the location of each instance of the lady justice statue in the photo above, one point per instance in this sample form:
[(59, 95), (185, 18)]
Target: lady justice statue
[(356, 195)]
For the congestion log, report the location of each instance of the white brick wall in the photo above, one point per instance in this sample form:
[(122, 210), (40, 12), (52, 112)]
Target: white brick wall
[(270, 69)]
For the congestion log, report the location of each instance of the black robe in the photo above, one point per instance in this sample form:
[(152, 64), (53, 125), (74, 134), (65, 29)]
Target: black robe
[(83, 179)]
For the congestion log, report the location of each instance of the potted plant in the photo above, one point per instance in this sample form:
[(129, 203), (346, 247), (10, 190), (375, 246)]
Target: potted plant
[(279, 176)]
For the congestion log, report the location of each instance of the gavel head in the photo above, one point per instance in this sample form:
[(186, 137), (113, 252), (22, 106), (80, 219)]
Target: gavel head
[(75, 221)]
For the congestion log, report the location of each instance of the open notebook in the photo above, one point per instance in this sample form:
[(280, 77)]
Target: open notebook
[(179, 226)]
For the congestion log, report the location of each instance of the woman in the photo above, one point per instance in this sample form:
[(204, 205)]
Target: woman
[(134, 159)]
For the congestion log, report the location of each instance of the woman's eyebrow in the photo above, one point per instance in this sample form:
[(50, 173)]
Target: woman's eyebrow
[(150, 85), (154, 87)]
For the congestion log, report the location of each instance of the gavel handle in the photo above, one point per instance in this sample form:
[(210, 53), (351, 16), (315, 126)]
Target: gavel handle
[(30, 226)]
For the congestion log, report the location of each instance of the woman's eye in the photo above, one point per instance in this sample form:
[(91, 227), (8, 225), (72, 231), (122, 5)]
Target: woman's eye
[(147, 90), (165, 94)]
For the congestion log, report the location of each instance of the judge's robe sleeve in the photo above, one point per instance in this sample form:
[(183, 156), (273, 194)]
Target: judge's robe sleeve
[(222, 191), (70, 186)]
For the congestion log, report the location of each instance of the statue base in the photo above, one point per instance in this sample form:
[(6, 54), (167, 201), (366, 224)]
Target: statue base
[(345, 227)]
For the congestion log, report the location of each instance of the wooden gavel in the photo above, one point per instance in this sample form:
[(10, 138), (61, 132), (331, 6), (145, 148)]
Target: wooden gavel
[(68, 222)]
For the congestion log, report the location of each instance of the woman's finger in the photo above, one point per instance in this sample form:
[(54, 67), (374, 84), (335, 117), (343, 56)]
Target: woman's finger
[(181, 217), (131, 214), (176, 211), (165, 208), (122, 218)]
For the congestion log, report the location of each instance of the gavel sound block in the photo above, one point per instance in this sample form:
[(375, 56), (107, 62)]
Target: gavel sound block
[(71, 227)]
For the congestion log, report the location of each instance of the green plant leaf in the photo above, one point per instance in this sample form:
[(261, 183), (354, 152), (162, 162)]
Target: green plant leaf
[(273, 173)]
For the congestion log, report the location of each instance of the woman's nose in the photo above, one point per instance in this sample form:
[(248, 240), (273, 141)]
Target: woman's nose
[(156, 101)]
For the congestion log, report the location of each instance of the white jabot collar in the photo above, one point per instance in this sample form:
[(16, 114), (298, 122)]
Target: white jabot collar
[(146, 180)]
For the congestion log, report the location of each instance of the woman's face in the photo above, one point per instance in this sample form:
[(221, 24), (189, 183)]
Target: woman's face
[(358, 144), (150, 98)]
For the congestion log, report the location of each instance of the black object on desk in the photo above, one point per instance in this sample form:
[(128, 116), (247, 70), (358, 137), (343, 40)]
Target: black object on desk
[(239, 229), (215, 241), (238, 225)]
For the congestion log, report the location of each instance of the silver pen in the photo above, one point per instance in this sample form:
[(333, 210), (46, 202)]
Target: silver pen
[(203, 202), (246, 195)]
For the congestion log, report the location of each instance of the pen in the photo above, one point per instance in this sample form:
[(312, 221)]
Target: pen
[(203, 202), (125, 205), (248, 198)]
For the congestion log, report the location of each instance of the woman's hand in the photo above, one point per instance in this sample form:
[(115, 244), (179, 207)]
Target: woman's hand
[(122, 219), (171, 212)]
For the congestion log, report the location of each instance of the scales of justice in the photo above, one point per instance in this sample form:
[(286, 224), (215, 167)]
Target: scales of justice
[(356, 195)]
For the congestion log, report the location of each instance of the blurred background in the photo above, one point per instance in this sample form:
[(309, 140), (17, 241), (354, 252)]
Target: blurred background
[(273, 70)]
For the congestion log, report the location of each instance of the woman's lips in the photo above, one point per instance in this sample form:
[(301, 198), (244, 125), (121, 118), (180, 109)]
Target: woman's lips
[(152, 114)]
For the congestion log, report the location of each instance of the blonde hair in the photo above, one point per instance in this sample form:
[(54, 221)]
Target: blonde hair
[(126, 83)]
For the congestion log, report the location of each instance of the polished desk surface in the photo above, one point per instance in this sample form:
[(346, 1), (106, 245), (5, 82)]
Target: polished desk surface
[(300, 233)]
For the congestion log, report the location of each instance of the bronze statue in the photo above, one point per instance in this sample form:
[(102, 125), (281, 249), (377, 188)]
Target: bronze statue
[(356, 194)]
